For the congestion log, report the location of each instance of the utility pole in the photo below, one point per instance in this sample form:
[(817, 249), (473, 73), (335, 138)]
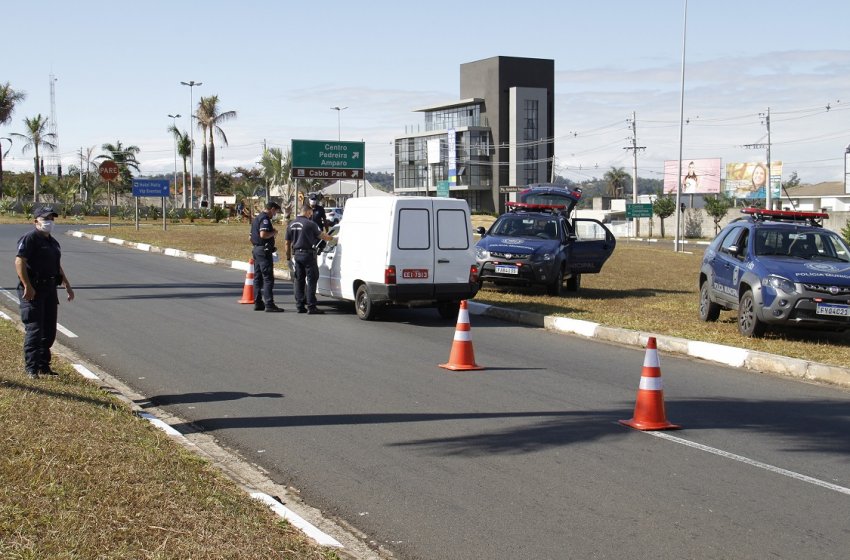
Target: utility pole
[(768, 187), (634, 148)]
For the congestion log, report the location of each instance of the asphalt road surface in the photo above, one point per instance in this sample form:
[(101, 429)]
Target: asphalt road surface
[(524, 459)]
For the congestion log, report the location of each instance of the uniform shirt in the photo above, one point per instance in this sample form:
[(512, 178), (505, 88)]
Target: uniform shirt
[(303, 234), (319, 216), (261, 222), (42, 254)]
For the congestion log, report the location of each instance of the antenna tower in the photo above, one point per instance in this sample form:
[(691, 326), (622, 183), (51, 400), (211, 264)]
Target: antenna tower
[(54, 162)]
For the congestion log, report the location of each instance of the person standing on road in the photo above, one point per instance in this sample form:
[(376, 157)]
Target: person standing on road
[(39, 268), (302, 236), (262, 238), (319, 215)]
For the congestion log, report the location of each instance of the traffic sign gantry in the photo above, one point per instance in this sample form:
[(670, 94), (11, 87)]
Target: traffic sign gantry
[(109, 170), (328, 159)]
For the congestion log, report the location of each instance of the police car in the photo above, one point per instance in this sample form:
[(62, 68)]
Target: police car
[(777, 267), (537, 243)]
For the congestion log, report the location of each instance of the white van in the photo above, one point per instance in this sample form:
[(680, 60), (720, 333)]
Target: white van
[(408, 251)]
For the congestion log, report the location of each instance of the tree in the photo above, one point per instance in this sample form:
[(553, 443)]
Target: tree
[(277, 170), (209, 116), (36, 137), (184, 150), (616, 179), (663, 207), (125, 158), (717, 208), (9, 98)]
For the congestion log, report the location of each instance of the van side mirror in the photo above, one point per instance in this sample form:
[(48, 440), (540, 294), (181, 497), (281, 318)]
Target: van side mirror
[(480, 230)]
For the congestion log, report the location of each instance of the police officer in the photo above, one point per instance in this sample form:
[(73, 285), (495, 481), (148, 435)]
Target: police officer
[(302, 236), (39, 273), (262, 237), (319, 215)]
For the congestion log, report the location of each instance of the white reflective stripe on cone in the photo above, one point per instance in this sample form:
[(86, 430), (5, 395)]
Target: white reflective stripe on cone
[(462, 336), (650, 383), (651, 359), (463, 316), (249, 281)]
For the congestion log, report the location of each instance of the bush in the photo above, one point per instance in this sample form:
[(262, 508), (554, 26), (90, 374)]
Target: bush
[(219, 213), (6, 206), (845, 231)]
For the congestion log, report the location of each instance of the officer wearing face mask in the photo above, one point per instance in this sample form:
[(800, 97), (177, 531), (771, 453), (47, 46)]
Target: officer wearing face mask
[(40, 273)]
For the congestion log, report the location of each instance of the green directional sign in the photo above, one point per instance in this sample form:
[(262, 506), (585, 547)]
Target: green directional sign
[(328, 159), (638, 210)]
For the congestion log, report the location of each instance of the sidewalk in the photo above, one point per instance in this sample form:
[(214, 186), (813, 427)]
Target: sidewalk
[(726, 355)]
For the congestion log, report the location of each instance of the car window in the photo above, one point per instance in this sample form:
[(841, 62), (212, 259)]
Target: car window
[(731, 239)]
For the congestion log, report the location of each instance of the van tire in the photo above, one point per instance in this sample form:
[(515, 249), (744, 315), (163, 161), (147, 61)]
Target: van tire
[(363, 304), (448, 309)]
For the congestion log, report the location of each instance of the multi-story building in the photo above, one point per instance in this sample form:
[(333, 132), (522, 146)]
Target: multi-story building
[(497, 137)]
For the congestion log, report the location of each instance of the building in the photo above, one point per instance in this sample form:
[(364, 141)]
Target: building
[(497, 137), (338, 192)]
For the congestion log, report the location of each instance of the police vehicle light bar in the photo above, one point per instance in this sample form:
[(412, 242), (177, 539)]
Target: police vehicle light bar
[(790, 215), (529, 206)]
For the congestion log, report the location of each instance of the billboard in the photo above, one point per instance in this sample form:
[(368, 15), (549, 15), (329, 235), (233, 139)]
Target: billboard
[(699, 176), (748, 180)]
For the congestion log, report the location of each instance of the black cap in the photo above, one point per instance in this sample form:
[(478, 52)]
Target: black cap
[(46, 212)]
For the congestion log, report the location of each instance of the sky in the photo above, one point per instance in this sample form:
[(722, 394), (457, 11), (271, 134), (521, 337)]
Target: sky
[(282, 65)]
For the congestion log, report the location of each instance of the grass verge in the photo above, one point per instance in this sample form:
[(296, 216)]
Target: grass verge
[(82, 477)]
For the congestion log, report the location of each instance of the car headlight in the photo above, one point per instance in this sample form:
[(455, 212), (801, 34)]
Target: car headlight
[(482, 254), (542, 257), (780, 284)]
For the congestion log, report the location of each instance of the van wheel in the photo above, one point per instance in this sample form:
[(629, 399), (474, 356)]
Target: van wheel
[(554, 289), (363, 304), (574, 283), (749, 324), (448, 309), (708, 310)]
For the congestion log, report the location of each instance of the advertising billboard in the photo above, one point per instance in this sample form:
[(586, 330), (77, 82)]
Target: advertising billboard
[(748, 180), (699, 176)]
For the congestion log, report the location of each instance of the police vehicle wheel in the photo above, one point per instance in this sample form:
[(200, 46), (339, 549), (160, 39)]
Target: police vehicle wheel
[(574, 283), (749, 324), (448, 309), (363, 304), (554, 289), (708, 310)]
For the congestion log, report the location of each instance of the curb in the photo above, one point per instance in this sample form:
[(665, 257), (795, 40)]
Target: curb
[(725, 355)]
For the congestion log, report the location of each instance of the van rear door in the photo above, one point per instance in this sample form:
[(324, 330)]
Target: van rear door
[(454, 239), (413, 253)]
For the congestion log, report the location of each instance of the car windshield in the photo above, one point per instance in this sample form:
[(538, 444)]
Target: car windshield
[(526, 226), (809, 245)]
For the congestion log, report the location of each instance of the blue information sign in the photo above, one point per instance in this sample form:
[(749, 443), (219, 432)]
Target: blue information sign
[(151, 187)]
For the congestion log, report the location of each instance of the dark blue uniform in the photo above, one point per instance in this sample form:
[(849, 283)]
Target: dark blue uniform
[(319, 216), (263, 262), (42, 254), (303, 235)]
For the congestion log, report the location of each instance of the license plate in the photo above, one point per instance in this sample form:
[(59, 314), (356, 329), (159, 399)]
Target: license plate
[(833, 309), (414, 273), (502, 269)]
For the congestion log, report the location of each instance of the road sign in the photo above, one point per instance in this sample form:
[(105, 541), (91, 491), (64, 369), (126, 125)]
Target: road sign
[(443, 188), (328, 159), (109, 170), (638, 210), (151, 187)]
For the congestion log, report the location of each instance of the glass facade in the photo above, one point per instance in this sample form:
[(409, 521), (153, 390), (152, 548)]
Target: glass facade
[(454, 117), (531, 136)]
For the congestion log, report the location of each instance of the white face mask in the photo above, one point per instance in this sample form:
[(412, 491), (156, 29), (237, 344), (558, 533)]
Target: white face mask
[(45, 225)]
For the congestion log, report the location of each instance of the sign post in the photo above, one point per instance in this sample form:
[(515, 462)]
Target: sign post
[(636, 211), (151, 187), (109, 171), (328, 159)]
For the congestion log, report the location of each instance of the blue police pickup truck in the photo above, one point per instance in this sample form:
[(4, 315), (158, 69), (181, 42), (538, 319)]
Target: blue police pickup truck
[(537, 243), (777, 267)]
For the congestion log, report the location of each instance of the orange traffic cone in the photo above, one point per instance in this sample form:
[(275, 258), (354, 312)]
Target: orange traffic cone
[(248, 289), (649, 408), (462, 356)]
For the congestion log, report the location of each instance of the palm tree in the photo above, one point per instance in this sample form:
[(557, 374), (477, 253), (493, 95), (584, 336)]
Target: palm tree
[(8, 99), (184, 150), (277, 170), (209, 117), (125, 157), (617, 179), (36, 136)]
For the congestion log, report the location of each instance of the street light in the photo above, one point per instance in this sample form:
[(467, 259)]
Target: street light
[(339, 111), (191, 84), (174, 121)]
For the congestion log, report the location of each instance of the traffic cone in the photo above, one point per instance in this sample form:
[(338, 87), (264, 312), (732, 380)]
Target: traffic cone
[(649, 408), (462, 356), (248, 289)]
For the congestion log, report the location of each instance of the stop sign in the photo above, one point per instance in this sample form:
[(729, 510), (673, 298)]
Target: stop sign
[(108, 170)]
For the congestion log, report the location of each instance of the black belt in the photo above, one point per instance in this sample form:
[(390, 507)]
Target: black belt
[(304, 251)]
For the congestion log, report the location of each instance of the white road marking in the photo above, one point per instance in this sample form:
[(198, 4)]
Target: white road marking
[(59, 327), (85, 372), (322, 538), (752, 462), (160, 424)]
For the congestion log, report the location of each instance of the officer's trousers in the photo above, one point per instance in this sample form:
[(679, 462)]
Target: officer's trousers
[(263, 276), (306, 276), (39, 318)]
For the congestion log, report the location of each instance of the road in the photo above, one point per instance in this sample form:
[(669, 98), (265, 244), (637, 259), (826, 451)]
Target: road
[(524, 459)]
